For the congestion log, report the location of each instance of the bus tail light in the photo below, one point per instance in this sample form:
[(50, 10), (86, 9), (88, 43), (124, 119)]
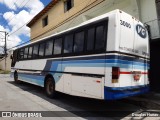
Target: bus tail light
[(115, 74)]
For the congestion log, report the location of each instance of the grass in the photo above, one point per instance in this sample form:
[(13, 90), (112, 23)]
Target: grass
[(4, 72)]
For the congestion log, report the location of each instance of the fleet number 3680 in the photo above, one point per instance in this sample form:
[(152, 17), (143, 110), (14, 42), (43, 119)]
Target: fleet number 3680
[(124, 23)]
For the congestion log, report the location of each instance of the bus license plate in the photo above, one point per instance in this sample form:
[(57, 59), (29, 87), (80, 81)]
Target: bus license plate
[(136, 75)]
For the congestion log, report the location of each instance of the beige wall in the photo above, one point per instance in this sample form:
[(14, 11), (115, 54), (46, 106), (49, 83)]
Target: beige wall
[(56, 16), (82, 11), (8, 63)]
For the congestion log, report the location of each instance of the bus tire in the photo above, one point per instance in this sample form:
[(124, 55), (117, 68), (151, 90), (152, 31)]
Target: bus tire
[(16, 77), (50, 87)]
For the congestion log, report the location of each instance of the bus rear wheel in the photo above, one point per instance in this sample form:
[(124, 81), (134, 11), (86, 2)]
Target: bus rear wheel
[(50, 88)]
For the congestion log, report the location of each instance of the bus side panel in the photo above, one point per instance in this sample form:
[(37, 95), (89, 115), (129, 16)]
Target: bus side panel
[(55, 66), (84, 76), (30, 71)]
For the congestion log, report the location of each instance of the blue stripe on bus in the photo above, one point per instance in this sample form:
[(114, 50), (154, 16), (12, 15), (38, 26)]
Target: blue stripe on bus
[(111, 93), (39, 80), (58, 65), (100, 61)]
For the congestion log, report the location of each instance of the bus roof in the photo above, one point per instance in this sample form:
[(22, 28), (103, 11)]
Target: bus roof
[(84, 23)]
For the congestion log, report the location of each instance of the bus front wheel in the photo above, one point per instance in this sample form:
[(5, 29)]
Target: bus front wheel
[(50, 87), (16, 77)]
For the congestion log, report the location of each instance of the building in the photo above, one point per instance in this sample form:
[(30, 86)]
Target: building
[(59, 15), (5, 63), (63, 14)]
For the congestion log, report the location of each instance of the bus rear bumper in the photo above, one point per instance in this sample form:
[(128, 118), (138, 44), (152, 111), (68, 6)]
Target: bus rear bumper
[(111, 93)]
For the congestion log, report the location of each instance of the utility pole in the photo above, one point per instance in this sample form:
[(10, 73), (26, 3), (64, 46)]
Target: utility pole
[(5, 48)]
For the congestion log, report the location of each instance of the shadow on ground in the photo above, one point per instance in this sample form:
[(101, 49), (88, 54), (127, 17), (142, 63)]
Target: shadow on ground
[(83, 107)]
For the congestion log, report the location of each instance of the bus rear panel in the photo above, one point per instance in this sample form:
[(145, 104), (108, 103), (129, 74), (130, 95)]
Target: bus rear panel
[(130, 63)]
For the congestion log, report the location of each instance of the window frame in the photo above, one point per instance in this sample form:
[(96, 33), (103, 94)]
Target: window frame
[(42, 42), (87, 31), (104, 23), (56, 38), (66, 7), (74, 31), (96, 37), (24, 52), (19, 51), (79, 31), (37, 51), (31, 53), (50, 39), (69, 33), (45, 21)]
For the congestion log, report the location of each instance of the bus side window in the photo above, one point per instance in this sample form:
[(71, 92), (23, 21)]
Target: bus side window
[(90, 39), (30, 52), (21, 53), (25, 52), (79, 42), (35, 51), (68, 44), (41, 49), (57, 46), (100, 41), (49, 48)]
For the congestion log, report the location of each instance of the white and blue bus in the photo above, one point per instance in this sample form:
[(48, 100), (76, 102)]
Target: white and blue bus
[(106, 57)]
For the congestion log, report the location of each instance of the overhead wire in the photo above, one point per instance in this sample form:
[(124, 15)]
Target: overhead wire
[(20, 7), (11, 15), (21, 26)]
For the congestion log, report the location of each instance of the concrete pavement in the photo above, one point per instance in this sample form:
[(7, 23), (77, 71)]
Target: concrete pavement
[(27, 97)]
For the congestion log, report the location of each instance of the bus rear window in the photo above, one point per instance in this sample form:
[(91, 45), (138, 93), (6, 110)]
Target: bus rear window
[(100, 41), (90, 39)]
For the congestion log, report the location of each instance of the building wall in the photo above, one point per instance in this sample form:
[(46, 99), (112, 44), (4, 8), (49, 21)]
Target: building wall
[(82, 11), (145, 10), (149, 16), (56, 16), (8, 63)]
